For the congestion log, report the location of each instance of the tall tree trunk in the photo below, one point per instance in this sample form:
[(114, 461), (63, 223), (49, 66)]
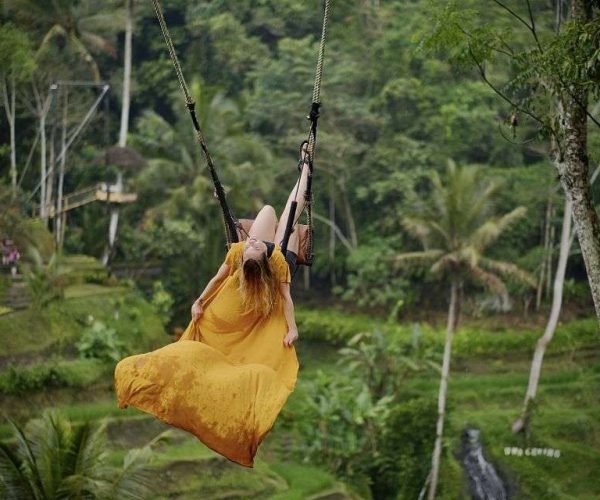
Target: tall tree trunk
[(41, 110), (51, 169), (522, 422), (550, 258), (332, 232), (573, 170), (124, 129), (43, 168), (60, 218), (453, 315), (349, 215), (9, 96), (113, 223), (543, 266)]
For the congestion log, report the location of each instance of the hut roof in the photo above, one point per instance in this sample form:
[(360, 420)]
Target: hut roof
[(125, 157)]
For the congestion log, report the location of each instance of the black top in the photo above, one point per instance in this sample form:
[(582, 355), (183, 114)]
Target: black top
[(270, 248)]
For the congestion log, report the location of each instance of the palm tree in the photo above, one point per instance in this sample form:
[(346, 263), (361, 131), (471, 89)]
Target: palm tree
[(455, 229), (124, 128), (74, 24), (16, 65), (54, 458), (177, 168), (79, 26), (178, 192)]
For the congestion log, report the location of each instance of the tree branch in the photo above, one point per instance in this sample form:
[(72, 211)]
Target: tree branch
[(508, 100), (514, 14), (5, 97), (336, 230), (509, 52), (500, 93), (508, 139), (532, 27)]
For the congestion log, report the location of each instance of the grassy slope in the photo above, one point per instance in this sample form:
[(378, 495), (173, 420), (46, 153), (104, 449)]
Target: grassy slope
[(28, 332), (183, 469), (488, 380), (483, 392)]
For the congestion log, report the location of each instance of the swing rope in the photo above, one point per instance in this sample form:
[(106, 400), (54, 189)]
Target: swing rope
[(312, 141), (228, 220), (319, 70), (230, 223)]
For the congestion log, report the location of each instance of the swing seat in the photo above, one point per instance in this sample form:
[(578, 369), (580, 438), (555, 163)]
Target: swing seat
[(304, 254)]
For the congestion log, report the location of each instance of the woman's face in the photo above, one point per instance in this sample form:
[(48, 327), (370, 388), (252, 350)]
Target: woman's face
[(254, 249)]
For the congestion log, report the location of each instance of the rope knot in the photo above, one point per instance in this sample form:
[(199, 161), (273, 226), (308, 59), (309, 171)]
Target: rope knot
[(314, 111)]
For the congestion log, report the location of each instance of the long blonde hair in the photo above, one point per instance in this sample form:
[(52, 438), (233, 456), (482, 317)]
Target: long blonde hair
[(258, 286)]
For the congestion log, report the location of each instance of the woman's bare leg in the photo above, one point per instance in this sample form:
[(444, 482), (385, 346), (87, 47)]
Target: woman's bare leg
[(263, 227), (296, 194), (293, 242)]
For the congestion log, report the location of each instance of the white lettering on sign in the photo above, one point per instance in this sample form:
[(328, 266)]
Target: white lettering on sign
[(516, 451)]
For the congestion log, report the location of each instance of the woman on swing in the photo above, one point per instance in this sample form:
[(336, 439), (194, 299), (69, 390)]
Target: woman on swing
[(228, 376), (264, 276)]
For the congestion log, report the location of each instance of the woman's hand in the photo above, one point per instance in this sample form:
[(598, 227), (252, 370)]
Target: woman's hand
[(197, 309), (290, 337)]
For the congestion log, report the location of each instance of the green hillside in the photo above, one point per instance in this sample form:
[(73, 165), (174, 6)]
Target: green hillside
[(483, 393)]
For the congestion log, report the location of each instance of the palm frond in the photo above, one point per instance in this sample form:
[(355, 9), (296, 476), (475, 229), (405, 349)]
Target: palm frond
[(54, 31), (79, 486), (14, 483), (420, 256), (446, 262), (493, 228), (86, 56), (99, 43), (417, 227), (425, 229), (484, 198), (464, 257), (490, 281), (28, 460), (103, 22), (88, 449), (49, 436), (133, 481), (510, 270)]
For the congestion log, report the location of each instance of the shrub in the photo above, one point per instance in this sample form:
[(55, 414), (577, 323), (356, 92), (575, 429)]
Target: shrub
[(337, 328), (162, 301), (17, 380), (369, 282), (100, 342), (333, 327), (343, 416), (405, 449), (45, 282)]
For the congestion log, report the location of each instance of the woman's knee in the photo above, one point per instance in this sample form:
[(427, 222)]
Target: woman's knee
[(268, 210)]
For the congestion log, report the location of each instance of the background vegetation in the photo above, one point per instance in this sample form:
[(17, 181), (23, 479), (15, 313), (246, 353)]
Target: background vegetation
[(399, 103)]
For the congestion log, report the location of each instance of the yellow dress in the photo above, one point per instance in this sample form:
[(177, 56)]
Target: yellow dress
[(228, 376)]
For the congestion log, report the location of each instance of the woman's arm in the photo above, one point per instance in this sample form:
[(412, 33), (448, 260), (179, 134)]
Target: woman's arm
[(220, 276), (288, 308), (197, 306)]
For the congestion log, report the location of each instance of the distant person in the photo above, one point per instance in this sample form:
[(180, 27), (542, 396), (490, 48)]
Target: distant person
[(228, 376), (5, 251), (13, 259)]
